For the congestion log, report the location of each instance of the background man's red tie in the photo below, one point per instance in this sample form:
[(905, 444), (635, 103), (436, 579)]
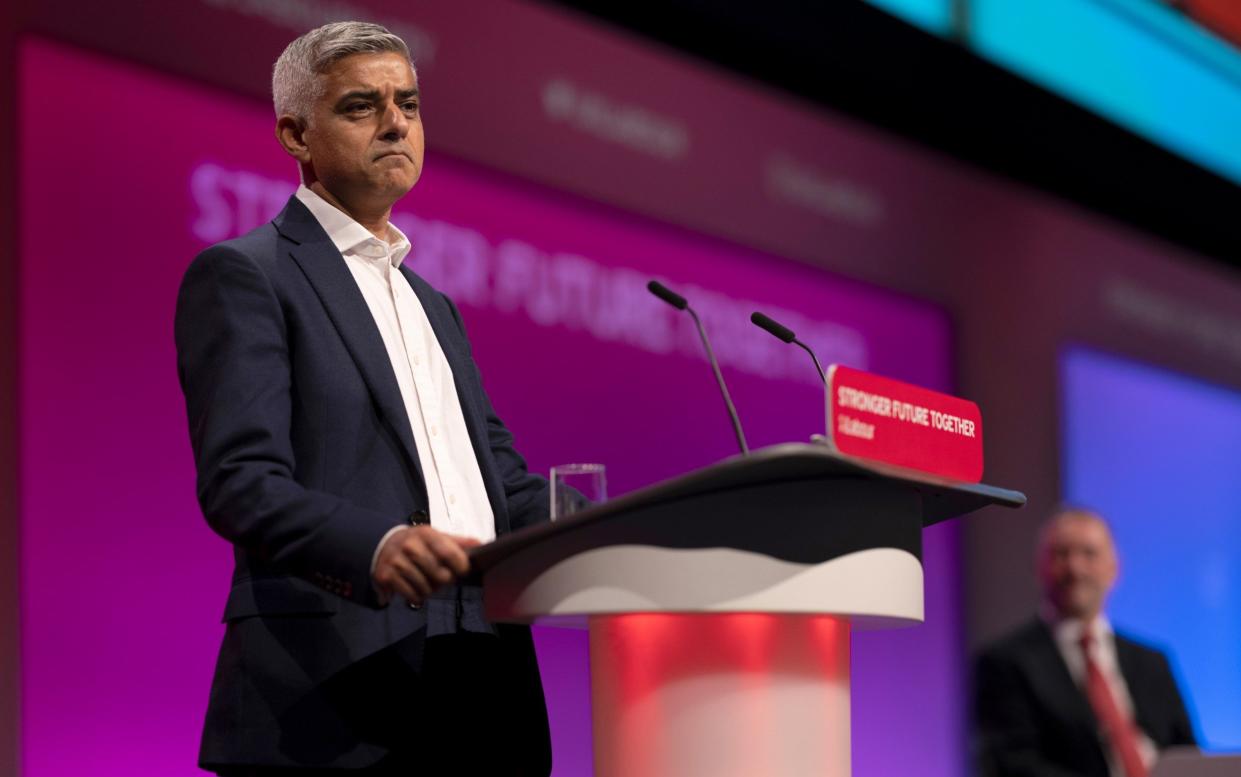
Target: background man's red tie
[(1121, 732)]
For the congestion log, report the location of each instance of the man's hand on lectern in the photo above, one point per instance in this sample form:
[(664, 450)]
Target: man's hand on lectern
[(416, 560)]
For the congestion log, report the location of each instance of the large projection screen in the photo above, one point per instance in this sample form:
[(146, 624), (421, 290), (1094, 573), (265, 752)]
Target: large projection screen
[(1156, 452)]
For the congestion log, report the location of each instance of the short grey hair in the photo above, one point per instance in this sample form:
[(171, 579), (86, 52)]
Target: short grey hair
[(295, 83)]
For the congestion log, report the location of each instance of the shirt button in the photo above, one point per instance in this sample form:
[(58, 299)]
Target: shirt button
[(452, 499), (435, 430)]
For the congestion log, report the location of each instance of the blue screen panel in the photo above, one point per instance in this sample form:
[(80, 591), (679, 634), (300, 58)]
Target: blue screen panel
[(1159, 454), (1135, 62), (931, 15)]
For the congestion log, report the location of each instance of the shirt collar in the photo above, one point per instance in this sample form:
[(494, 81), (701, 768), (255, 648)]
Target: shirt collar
[(1069, 631), (347, 234)]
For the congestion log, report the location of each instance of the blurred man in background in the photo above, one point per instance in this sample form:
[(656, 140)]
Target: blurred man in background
[(1065, 695)]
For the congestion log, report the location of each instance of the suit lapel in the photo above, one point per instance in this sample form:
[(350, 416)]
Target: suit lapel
[(449, 338), (1127, 660), (324, 267)]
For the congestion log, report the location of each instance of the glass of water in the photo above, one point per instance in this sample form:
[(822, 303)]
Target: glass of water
[(576, 487)]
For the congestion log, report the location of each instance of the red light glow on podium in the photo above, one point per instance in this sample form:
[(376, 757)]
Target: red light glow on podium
[(728, 694)]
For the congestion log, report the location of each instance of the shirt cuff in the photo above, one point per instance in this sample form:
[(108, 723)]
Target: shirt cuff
[(380, 546), (383, 597)]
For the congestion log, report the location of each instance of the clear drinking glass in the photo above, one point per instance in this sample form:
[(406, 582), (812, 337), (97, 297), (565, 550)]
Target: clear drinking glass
[(576, 487)]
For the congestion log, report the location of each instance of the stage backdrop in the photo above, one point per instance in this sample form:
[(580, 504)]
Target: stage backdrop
[(126, 174)]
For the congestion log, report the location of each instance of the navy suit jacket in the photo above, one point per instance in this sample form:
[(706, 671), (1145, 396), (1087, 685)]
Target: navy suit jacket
[(1034, 721), (305, 460)]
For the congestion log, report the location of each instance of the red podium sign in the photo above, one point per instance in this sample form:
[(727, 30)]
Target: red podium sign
[(881, 419)]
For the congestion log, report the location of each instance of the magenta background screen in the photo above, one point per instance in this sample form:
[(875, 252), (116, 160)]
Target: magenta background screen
[(123, 584)]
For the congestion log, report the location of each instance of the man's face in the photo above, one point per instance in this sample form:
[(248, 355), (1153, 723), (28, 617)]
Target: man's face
[(1077, 565), (364, 139)]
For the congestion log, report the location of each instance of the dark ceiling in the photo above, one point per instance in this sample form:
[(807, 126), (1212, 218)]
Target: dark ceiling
[(852, 57)]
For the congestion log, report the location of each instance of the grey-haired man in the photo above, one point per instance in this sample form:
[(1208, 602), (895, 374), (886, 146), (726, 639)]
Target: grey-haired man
[(347, 450)]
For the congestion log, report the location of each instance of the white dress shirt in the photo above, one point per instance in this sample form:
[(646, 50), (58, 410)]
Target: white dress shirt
[(1068, 635), (456, 498)]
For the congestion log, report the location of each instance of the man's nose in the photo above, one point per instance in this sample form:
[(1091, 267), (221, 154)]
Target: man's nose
[(1077, 565), (394, 124)]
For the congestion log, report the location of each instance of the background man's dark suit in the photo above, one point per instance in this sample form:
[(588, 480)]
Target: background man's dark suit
[(305, 460), (1034, 721)]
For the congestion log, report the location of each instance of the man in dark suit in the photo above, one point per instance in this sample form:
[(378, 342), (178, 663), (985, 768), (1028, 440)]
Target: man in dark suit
[(347, 450), (1064, 695)]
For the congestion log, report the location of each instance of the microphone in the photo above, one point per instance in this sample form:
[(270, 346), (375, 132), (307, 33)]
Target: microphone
[(680, 303), (669, 296), (784, 333)]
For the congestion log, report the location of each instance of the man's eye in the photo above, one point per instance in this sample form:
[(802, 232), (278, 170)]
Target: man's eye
[(357, 107), (410, 106)]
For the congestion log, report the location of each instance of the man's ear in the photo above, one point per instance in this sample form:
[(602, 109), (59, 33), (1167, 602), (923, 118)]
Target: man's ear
[(290, 133)]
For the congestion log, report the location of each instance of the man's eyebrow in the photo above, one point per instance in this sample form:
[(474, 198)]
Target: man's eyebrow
[(369, 95), (373, 95)]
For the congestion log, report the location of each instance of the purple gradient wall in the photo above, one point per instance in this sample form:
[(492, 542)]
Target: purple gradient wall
[(10, 632), (122, 583)]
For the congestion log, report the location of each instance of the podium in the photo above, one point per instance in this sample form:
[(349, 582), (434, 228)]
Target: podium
[(720, 604), (1189, 762)]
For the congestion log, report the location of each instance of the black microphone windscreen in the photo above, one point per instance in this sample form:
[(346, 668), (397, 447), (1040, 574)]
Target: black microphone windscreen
[(667, 295), (780, 331)]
